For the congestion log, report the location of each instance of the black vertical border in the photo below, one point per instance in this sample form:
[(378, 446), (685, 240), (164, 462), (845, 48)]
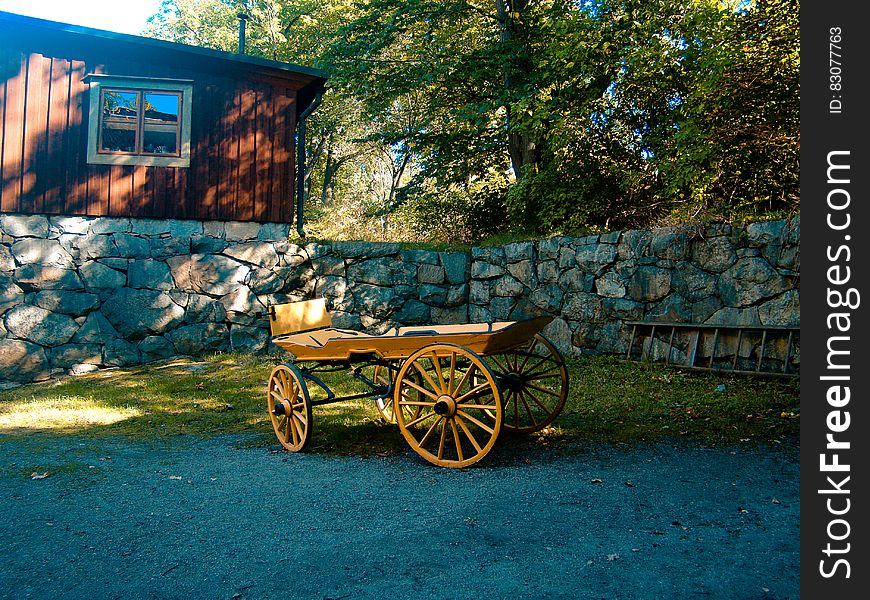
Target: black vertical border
[(823, 130)]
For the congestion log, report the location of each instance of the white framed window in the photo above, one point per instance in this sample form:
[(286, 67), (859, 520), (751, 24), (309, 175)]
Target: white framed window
[(139, 121)]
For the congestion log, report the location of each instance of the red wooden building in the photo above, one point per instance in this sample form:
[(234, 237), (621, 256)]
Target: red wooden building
[(101, 123)]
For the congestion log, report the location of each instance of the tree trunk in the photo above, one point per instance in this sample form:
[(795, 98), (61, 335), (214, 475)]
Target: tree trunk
[(523, 150)]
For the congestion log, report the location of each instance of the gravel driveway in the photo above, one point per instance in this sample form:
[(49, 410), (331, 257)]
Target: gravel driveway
[(188, 518)]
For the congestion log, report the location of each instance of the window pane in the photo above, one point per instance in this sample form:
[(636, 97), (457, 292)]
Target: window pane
[(160, 135), (120, 117)]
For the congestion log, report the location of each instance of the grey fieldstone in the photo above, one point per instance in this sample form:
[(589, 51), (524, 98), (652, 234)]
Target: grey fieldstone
[(548, 249), (670, 244), (156, 347), (19, 226), (40, 326), (10, 294), (610, 285), (7, 263), (729, 315), (238, 231), (150, 274), (502, 308), (413, 312), (433, 295), (673, 309), (485, 270), (97, 246), (765, 233), (478, 293), (163, 247), (274, 232), (105, 225), (199, 308), (622, 309), (633, 244), (206, 244), (782, 311), (22, 361), (547, 298), (428, 273), (419, 257), (479, 314), (692, 282), (575, 280), (374, 301), (559, 333), (457, 266), (75, 304), (207, 274), (449, 316), (132, 246), (715, 254), (457, 295), (198, 338), (215, 229), (749, 281), (583, 307), (706, 308), (95, 329), (248, 339), (136, 314), (120, 353), (243, 306), (71, 225), (377, 271), (519, 251), (346, 320), (98, 276), (505, 287), (595, 259), (548, 272), (365, 249), (261, 254), (69, 355), (524, 272), (39, 251), (649, 284), (46, 277), (329, 265)]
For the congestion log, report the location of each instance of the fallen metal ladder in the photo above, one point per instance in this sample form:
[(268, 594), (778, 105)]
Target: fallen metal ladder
[(699, 334)]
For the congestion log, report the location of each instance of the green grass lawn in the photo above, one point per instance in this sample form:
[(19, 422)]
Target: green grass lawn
[(609, 400)]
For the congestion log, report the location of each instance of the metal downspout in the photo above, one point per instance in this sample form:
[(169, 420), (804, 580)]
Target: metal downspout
[(300, 163)]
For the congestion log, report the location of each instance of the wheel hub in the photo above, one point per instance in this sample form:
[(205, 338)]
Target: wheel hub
[(512, 382), (445, 406), (283, 408)]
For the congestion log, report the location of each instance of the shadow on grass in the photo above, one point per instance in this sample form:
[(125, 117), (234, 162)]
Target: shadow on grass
[(609, 401)]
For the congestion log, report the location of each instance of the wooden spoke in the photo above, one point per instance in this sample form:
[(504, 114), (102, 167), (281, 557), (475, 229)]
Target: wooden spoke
[(535, 383), (382, 376), (453, 382), (287, 391)]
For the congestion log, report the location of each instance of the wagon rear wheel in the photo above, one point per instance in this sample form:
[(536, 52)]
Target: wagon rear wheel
[(382, 376), (456, 405), (289, 407), (534, 383)]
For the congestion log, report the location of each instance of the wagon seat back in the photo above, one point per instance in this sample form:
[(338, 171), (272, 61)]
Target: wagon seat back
[(296, 317)]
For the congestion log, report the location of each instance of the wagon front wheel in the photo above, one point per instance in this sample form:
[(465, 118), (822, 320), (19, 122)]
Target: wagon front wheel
[(455, 403), (289, 407)]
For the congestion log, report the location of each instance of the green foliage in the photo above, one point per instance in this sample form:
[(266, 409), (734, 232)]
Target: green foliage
[(582, 114)]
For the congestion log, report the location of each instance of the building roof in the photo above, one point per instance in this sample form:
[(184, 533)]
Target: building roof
[(226, 60)]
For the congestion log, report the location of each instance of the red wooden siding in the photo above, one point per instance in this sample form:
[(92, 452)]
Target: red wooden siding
[(242, 144)]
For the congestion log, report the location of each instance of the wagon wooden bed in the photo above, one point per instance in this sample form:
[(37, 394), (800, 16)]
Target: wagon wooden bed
[(451, 389)]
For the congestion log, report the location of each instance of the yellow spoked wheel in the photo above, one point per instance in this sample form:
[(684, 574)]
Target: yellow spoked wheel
[(289, 407), (534, 384), (456, 405)]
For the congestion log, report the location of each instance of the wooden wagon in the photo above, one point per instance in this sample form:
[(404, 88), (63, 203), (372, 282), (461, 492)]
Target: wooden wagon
[(451, 389)]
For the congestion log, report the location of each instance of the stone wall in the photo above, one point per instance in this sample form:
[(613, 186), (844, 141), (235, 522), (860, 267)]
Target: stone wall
[(79, 293)]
